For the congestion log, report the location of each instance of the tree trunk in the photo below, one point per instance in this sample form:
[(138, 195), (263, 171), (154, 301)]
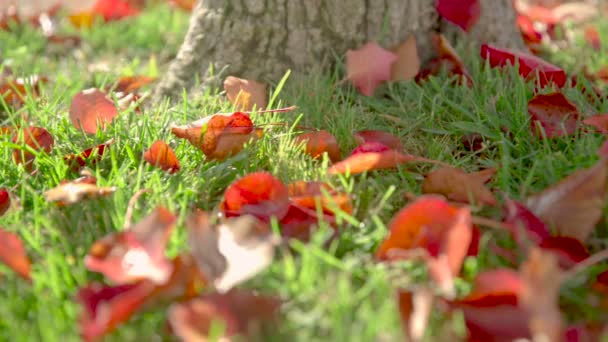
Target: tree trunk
[(262, 39)]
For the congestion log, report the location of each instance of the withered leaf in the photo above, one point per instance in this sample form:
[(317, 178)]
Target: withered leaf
[(460, 186)]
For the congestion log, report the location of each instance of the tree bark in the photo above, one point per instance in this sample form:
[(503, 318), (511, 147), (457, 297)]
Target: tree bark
[(262, 39)]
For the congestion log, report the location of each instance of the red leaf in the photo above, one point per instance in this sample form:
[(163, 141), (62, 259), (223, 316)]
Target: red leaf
[(13, 254), (319, 142), (259, 194), (368, 67), (309, 194), (360, 162), (531, 36), (38, 138), (104, 308), (555, 113), (518, 216), (5, 201), (599, 121), (162, 156), (603, 150), (382, 137), (569, 250), (464, 13), (474, 245), (114, 9), (92, 109), (239, 310), (432, 224), (92, 155), (593, 37), (137, 253), (528, 65)]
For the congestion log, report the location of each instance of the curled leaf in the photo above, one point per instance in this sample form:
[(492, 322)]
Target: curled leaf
[(90, 155), (37, 138), (371, 156), (259, 194), (129, 84), (463, 13), (161, 155), (77, 190), (385, 138)]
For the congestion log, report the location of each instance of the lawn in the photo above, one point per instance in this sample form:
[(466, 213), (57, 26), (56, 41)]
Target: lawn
[(332, 291)]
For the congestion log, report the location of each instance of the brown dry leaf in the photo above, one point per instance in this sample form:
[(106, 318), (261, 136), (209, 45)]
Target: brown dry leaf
[(460, 186), (231, 252), (542, 279), (319, 142), (245, 94), (574, 205), (77, 190), (407, 64)]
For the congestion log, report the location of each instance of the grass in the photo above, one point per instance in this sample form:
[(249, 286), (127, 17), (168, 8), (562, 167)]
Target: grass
[(335, 293)]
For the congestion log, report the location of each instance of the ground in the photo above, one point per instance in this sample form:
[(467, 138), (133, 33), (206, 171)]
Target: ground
[(335, 293)]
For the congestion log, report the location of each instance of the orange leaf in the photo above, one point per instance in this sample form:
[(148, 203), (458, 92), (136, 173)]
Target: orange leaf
[(319, 142), (245, 94), (162, 156), (77, 190), (556, 115), (92, 109), (381, 137), (369, 66), (38, 138), (459, 186), (574, 205), (448, 54), (367, 161), (129, 84), (239, 310), (13, 254), (92, 155), (407, 64), (308, 194), (259, 194)]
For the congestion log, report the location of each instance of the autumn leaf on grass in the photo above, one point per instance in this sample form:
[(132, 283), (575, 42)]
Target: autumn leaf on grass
[(368, 67), (103, 308), (381, 137), (91, 155), (530, 66), (161, 155), (371, 156), (459, 186), (592, 36), (220, 135), (5, 201), (442, 231), (13, 254), (129, 84), (92, 109), (259, 194), (245, 94), (555, 114), (599, 121), (407, 64), (524, 225), (463, 13), (569, 251), (447, 54), (70, 192), (574, 205), (136, 253), (232, 251), (319, 142), (415, 309), (35, 138), (14, 91), (240, 311)]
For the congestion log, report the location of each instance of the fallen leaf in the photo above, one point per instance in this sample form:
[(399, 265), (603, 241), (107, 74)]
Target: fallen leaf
[(129, 84), (603, 150), (431, 224), (599, 121), (13, 254), (362, 162), (92, 109), (240, 311), (529, 66), (368, 67), (161, 155), (15, 91), (5, 201), (555, 114), (90, 155), (36, 138), (319, 142), (75, 191), (415, 310), (574, 205), (231, 252), (592, 36), (112, 10), (447, 54), (459, 186), (385, 138), (570, 251), (524, 225), (245, 94), (463, 13), (311, 194), (407, 64), (136, 253), (259, 194), (532, 37)]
